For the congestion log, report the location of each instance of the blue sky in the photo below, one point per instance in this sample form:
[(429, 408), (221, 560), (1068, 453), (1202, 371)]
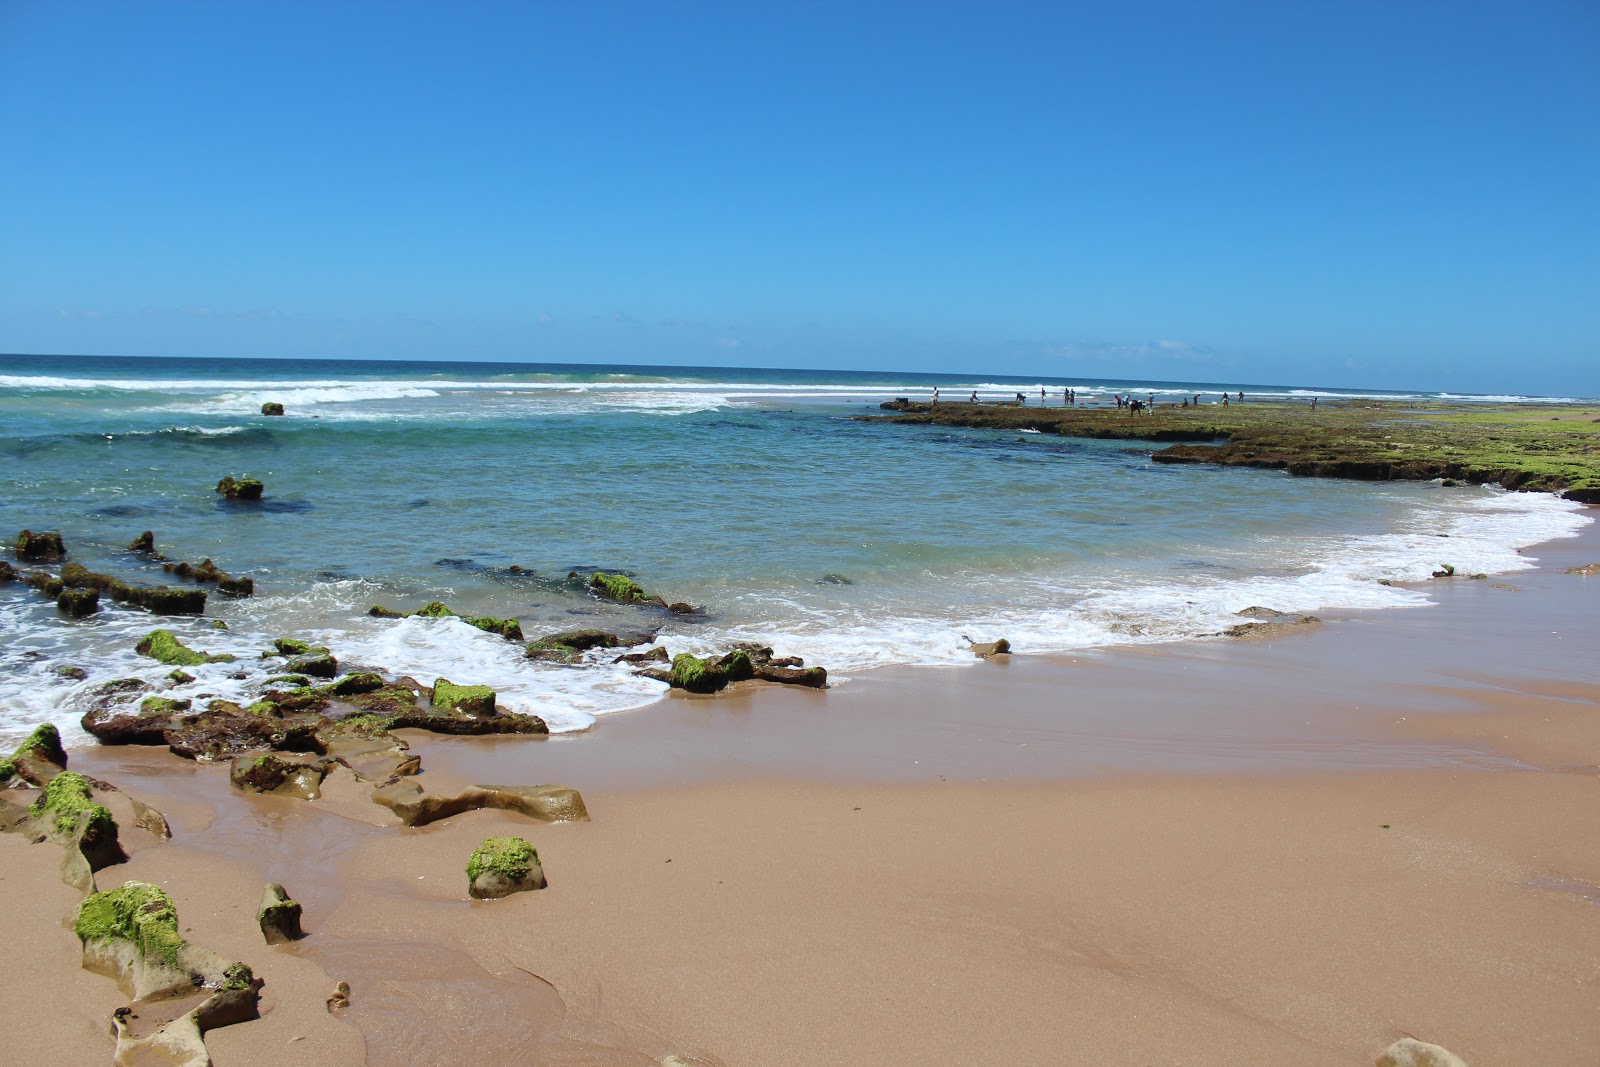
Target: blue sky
[(1381, 194)]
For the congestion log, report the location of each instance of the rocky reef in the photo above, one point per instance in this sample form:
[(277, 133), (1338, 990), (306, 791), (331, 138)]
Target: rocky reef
[(233, 488), (510, 629)]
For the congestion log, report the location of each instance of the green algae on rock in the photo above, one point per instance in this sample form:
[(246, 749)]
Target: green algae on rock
[(160, 645), (272, 407), (78, 602), (279, 915), (131, 933), (568, 647), (69, 799), (621, 588), (471, 699), (38, 759), (240, 488), (501, 866)]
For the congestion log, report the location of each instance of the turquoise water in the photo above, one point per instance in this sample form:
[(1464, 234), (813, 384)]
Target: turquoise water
[(749, 494)]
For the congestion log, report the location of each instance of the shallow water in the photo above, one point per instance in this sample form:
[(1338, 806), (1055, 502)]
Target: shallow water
[(751, 494)]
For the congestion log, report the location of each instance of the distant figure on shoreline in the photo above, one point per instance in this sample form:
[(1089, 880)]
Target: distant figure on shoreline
[(1313, 403), (936, 394), (974, 399), (1224, 399), (1241, 396), (1022, 400), (1197, 400), (1041, 396), (1151, 400)]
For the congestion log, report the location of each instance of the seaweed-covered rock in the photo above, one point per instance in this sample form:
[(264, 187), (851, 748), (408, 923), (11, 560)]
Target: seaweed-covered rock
[(292, 646), (270, 774), (657, 654), (145, 544), (453, 721), (42, 547), (318, 665), (354, 684), (160, 645), (38, 760), (279, 915), (159, 599), (378, 611), (469, 699), (390, 698), (67, 670), (510, 629), (502, 866), (568, 647), (78, 602), (434, 609), (8, 573), (622, 589), (415, 806), (131, 933), (225, 729), (67, 813), (240, 488), (272, 407), (696, 675)]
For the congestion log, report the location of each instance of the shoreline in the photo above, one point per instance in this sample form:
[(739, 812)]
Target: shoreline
[(1230, 851)]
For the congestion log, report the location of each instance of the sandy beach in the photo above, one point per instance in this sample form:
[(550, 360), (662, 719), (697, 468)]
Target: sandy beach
[(1295, 849)]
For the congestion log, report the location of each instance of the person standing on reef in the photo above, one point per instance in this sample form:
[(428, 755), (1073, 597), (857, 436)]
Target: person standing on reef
[(974, 398), (1150, 401), (1197, 400), (1241, 396), (936, 394), (1041, 396), (1224, 399), (1313, 403)]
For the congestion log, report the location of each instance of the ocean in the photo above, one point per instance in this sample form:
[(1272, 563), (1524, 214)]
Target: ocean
[(754, 495)]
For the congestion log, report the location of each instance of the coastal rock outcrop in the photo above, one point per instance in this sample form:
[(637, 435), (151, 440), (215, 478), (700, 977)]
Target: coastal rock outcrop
[(696, 674), (78, 602), (208, 572), (271, 774), (279, 915), (272, 407), (986, 649), (510, 629), (67, 814), (37, 760), (161, 646), (162, 600), (1409, 1052), (501, 866), (131, 934), (467, 699), (43, 547), (1266, 622), (415, 806)]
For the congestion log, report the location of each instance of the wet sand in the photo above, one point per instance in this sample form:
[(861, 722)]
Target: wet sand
[(1287, 850)]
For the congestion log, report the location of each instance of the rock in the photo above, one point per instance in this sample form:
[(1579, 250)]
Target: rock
[(502, 866), (160, 645), (454, 721), (417, 807), (66, 813), (1272, 626), (834, 579), (339, 999), (278, 915), (269, 774), (468, 699), (272, 407), (1590, 495), (225, 729), (654, 655), (319, 665), (145, 543), (149, 819), (389, 698), (986, 649), (434, 609), (696, 675), (622, 589), (8, 573), (1409, 1052), (812, 677), (45, 547), (568, 647), (66, 670), (290, 646), (510, 629), (217, 624), (78, 603), (240, 488), (38, 760), (354, 684), (1589, 570), (681, 608), (378, 611), (131, 934)]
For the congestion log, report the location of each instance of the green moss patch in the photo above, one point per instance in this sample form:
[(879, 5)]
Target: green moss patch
[(434, 609), (137, 912), (509, 856), (618, 587), (162, 646), (510, 629), (470, 699), (65, 799)]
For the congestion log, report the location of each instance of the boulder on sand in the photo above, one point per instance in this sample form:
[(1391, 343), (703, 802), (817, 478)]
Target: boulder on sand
[(1409, 1052), (501, 866), (278, 915), (415, 806)]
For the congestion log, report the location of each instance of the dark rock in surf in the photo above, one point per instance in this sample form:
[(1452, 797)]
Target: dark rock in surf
[(44, 547), (272, 407), (240, 488)]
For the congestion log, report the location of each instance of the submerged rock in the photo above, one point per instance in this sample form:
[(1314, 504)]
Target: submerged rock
[(279, 915), (240, 488), (78, 603), (43, 547), (657, 654), (501, 866), (145, 544), (1268, 623), (159, 599)]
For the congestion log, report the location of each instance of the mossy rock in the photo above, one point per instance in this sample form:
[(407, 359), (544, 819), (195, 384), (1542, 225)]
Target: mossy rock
[(272, 407), (354, 684), (164, 705), (160, 645), (240, 488), (621, 588), (318, 665), (69, 798), (39, 759), (179, 676), (270, 774), (145, 544), (8, 573), (434, 609), (568, 647), (279, 915), (67, 670), (469, 699), (387, 699), (378, 611), (132, 933), (510, 629), (501, 866), (292, 646), (78, 602), (43, 547), (137, 912), (696, 675)]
